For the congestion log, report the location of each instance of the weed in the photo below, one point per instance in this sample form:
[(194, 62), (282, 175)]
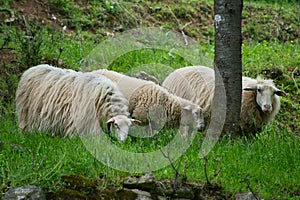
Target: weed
[(247, 182), (63, 6), (30, 43), (270, 49)]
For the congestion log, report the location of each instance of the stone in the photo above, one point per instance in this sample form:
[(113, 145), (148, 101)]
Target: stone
[(146, 182), (78, 181), (142, 195), (149, 188), (146, 178), (28, 192), (246, 196), (126, 194), (184, 192)]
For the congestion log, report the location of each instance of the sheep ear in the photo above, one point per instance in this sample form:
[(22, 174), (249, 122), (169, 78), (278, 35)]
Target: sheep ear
[(135, 121), (280, 93), (250, 88), (187, 107), (111, 120)]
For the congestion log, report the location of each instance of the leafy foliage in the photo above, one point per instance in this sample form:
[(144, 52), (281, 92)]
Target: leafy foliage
[(64, 34)]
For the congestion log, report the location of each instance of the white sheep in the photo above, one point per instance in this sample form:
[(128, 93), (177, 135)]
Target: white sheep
[(260, 98), (67, 102), (260, 102), (193, 83), (145, 97)]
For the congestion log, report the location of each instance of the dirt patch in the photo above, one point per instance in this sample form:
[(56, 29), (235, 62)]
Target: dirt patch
[(8, 57), (196, 18), (35, 10)]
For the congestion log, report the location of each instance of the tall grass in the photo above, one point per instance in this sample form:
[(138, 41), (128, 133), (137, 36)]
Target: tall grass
[(268, 163), (270, 160)]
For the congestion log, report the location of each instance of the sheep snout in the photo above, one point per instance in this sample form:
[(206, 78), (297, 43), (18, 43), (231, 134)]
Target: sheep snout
[(267, 108), (200, 127)]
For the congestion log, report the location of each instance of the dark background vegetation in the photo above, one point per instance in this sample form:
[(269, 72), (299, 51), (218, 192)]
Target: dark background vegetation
[(32, 32)]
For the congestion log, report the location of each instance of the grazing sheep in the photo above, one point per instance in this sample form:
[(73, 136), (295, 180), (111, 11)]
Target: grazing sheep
[(260, 98), (68, 102), (145, 97)]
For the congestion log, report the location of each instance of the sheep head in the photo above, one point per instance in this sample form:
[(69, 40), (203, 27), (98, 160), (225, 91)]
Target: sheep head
[(192, 115), (120, 125), (265, 95)]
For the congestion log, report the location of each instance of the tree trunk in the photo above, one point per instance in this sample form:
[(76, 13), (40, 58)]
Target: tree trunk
[(228, 60)]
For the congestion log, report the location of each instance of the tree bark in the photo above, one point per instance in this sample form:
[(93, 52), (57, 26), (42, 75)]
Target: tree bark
[(228, 60)]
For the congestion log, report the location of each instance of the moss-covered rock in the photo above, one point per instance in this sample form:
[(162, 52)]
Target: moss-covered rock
[(78, 182), (126, 194), (69, 194)]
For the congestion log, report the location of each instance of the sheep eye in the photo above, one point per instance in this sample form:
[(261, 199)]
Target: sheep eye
[(117, 126), (259, 90)]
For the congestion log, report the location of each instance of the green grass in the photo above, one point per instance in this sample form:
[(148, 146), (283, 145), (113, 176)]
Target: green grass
[(269, 162), (268, 55), (42, 160)]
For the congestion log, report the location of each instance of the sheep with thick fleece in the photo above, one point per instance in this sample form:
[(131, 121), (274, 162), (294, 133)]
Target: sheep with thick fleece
[(146, 95), (260, 98), (260, 102), (192, 83), (68, 102)]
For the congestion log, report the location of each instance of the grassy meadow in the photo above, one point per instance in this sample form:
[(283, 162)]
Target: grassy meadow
[(267, 164)]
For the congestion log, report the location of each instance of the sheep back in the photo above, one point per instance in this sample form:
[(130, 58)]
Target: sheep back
[(194, 83), (127, 85), (66, 102), (150, 96)]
